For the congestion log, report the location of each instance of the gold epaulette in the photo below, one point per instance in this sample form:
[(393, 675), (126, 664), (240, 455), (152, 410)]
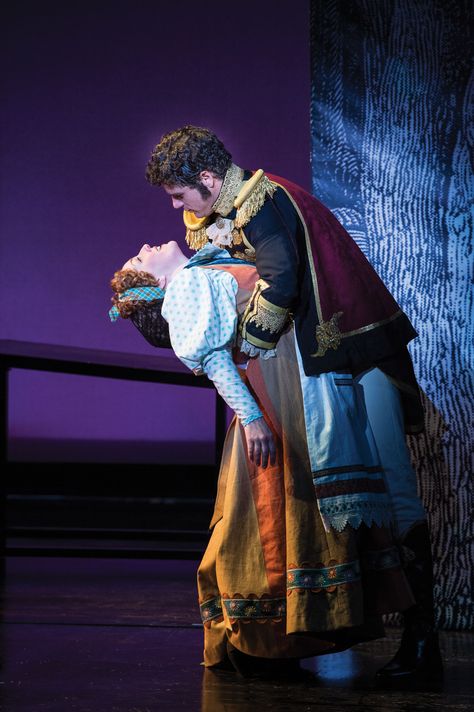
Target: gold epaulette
[(251, 197), (196, 235)]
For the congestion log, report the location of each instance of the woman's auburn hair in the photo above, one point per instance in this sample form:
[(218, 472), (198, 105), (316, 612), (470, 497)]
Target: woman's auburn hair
[(126, 279)]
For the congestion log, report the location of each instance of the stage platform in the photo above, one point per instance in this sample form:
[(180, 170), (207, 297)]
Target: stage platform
[(123, 634)]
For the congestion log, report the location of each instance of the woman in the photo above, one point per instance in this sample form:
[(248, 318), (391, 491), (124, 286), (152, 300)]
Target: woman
[(300, 561)]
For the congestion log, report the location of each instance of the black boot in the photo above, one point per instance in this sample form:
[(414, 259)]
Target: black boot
[(417, 663)]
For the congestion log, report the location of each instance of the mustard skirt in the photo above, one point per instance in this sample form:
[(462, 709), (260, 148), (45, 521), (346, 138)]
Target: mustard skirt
[(275, 581)]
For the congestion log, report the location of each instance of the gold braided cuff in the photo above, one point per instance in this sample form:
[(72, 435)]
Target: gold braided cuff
[(261, 317)]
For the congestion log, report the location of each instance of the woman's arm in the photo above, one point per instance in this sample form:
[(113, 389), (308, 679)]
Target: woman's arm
[(220, 368), (200, 308)]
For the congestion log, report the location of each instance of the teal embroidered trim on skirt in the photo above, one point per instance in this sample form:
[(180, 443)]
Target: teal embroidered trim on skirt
[(211, 609), (316, 579), (323, 577), (262, 608), (267, 607)]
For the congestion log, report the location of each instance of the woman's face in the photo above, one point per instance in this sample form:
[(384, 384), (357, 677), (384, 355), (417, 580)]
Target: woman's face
[(159, 261)]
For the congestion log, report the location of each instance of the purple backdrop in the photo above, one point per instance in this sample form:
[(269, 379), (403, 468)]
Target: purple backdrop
[(89, 89)]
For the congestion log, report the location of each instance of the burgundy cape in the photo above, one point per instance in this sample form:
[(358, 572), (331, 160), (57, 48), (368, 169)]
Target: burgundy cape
[(346, 318)]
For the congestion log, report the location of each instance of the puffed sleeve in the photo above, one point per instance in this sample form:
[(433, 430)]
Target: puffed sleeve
[(200, 308)]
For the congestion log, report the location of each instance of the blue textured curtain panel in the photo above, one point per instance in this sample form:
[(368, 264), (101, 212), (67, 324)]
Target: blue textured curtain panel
[(391, 112)]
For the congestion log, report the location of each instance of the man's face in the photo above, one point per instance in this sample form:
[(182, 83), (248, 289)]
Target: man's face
[(191, 199)]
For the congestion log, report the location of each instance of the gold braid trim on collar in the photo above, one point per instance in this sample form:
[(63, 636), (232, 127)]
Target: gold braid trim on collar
[(251, 197), (196, 236), (229, 189)]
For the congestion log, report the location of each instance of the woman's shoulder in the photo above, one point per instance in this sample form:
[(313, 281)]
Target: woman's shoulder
[(199, 286)]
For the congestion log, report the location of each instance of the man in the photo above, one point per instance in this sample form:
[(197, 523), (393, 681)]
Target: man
[(312, 273)]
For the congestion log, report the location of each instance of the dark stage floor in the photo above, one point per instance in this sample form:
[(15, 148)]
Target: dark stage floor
[(123, 635)]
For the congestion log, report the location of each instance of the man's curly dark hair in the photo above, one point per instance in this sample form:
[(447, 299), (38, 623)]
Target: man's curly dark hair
[(181, 155)]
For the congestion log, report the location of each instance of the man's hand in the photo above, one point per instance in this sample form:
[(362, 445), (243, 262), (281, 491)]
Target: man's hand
[(260, 443)]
